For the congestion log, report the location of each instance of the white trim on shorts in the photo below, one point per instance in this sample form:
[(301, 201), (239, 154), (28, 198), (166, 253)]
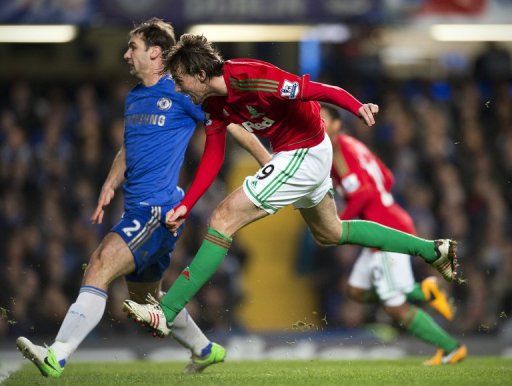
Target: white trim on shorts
[(390, 274), (147, 231), (300, 177)]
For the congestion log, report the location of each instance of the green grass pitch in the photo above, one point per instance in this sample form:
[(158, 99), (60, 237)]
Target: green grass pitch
[(474, 371)]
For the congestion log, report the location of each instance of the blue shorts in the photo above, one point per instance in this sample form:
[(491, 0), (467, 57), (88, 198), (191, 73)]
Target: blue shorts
[(144, 231)]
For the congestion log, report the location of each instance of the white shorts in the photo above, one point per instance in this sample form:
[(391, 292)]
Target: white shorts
[(390, 274), (300, 177)]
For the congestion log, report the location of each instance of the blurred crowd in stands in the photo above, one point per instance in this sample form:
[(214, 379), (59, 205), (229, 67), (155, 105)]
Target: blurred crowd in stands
[(451, 158), (448, 143), (57, 145)]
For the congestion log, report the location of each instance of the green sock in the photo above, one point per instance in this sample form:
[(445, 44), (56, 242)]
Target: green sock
[(416, 295), (209, 257), (373, 235), (425, 328)]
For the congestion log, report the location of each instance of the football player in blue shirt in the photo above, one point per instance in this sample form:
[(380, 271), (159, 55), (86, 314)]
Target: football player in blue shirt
[(159, 123)]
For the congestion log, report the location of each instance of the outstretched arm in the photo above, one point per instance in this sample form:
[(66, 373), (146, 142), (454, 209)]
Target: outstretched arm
[(284, 85), (342, 98), (114, 179), (250, 143), (209, 167)]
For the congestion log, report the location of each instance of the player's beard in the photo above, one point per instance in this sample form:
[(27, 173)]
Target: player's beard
[(132, 69), (198, 93), (136, 71)]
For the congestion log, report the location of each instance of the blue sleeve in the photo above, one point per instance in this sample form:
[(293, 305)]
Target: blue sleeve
[(195, 111)]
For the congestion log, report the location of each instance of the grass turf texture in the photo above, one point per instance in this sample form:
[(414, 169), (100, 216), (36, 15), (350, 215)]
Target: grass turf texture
[(473, 371)]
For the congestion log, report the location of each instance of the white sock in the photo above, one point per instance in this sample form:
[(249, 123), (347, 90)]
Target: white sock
[(186, 332), (82, 317)]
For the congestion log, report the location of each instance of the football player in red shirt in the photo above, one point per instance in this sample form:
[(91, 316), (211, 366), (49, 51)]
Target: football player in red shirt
[(282, 107), (385, 277)]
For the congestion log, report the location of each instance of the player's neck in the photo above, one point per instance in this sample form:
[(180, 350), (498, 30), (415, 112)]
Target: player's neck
[(218, 86), (151, 78)]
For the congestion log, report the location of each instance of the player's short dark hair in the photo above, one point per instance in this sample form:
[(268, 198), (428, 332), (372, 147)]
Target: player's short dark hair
[(332, 111), (156, 32), (194, 53)]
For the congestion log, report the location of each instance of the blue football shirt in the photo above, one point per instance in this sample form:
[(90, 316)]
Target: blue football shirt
[(159, 123)]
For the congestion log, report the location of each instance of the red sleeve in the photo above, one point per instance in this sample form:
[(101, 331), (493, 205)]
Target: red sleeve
[(357, 193), (355, 204), (356, 189), (209, 167), (331, 94), (284, 85), (214, 120)]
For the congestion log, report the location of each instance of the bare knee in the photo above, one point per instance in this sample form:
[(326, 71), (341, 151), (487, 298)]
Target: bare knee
[(109, 261), (323, 222), (326, 239), (221, 219), (326, 233), (95, 272), (400, 313), (102, 269)]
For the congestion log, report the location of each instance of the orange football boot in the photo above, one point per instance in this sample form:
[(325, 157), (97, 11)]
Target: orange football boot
[(436, 297)]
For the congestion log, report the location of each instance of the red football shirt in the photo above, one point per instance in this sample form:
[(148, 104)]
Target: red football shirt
[(366, 184), (269, 102), (274, 104)]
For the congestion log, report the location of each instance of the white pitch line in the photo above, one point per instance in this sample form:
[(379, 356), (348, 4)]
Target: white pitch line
[(7, 368)]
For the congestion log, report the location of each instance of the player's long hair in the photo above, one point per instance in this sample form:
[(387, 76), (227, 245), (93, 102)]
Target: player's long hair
[(156, 32), (194, 53)]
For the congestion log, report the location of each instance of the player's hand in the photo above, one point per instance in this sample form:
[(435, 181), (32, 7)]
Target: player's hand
[(175, 218), (367, 112), (106, 195)]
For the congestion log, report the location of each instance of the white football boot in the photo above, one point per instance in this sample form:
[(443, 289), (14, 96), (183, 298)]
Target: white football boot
[(446, 262), (149, 315)]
